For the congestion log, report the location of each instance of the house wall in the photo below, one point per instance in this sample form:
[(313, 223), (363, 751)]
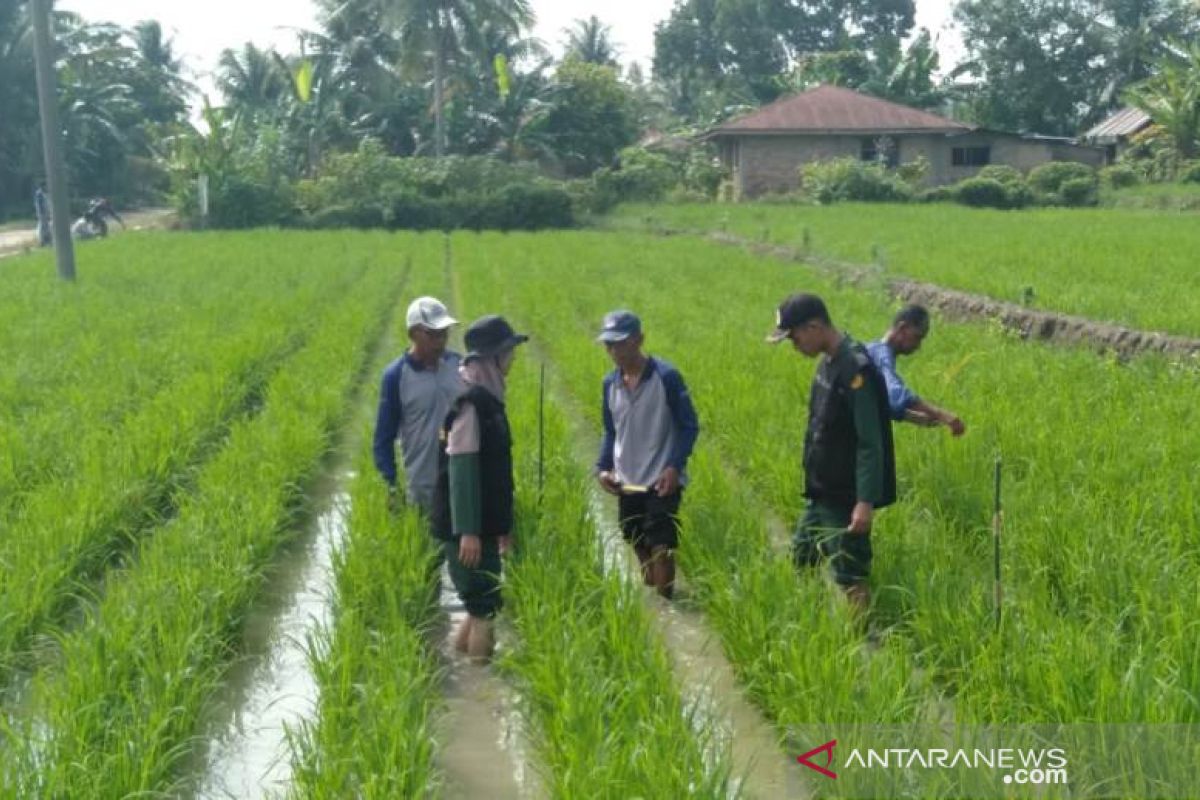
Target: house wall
[(762, 164), (772, 163)]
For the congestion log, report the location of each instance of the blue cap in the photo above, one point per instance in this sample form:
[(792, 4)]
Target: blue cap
[(619, 326)]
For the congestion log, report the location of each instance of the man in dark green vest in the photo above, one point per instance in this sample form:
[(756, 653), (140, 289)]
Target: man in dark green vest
[(849, 466)]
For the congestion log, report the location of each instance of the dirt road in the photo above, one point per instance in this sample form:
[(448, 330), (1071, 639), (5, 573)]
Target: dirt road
[(19, 241)]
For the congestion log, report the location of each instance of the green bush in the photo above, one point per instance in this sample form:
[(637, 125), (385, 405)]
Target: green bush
[(368, 188), (849, 179), (241, 201), (248, 186), (702, 174), (1189, 172), (1078, 192), (981, 193), (530, 207), (914, 172), (1003, 173), (515, 207), (1020, 195), (642, 177), (682, 194), (937, 194), (1120, 176), (1047, 180), (995, 186), (651, 175), (348, 216)]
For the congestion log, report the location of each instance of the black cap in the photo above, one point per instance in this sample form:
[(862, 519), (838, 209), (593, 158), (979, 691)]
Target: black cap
[(795, 311), (489, 336), (619, 326)]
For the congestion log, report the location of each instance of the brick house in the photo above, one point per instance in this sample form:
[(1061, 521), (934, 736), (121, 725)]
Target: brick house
[(765, 149)]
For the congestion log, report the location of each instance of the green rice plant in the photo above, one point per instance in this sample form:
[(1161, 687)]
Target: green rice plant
[(1117, 266), (593, 679), (376, 669), (1094, 449), (799, 661), (376, 666), (116, 717), (149, 314), (69, 531), (122, 479)]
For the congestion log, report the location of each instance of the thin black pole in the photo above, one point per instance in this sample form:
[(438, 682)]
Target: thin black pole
[(56, 174), (997, 517)]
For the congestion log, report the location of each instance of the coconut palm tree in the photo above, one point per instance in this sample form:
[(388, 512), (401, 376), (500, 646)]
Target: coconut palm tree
[(251, 79), (438, 32), (590, 40)]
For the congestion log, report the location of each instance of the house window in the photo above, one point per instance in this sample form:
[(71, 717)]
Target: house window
[(881, 150), (971, 156)]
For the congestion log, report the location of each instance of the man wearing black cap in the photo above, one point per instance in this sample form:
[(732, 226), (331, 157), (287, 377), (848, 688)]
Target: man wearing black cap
[(849, 470), (473, 511), (650, 428)]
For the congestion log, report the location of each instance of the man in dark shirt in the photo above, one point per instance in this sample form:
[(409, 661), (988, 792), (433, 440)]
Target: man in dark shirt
[(849, 469)]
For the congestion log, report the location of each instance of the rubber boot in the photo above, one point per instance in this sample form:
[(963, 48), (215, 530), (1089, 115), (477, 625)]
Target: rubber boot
[(481, 640), (462, 636)]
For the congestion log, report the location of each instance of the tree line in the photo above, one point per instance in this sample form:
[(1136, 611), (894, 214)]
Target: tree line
[(464, 77)]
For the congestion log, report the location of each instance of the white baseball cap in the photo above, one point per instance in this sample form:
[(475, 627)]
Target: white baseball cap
[(429, 312)]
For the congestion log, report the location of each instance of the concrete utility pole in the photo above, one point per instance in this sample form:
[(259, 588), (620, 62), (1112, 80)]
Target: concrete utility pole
[(56, 174)]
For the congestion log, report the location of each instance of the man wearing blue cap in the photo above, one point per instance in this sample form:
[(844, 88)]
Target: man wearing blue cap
[(473, 507), (650, 428)]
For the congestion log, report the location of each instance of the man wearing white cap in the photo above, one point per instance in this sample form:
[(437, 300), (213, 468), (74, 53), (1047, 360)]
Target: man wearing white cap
[(417, 392)]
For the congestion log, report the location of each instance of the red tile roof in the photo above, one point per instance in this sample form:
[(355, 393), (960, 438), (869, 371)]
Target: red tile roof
[(832, 109)]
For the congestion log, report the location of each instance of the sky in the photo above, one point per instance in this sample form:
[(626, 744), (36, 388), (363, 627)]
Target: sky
[(201, 30)]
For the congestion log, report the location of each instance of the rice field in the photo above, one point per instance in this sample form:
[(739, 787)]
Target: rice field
[(167, 421), (1132, 268)]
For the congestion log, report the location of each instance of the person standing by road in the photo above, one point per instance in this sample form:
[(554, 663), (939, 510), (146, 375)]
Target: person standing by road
[(909, 328), (473, 508), (650, 428), (849, 466), (415, 395), (41, 207)]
